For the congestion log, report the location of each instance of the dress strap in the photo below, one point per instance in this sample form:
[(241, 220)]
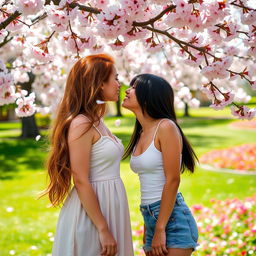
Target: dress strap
[(97, 130), (158, 127)]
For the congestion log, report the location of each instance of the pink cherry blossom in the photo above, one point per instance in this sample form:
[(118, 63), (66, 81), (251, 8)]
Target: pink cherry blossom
[(41, 55), (164, 38), (113, 22), (26, 106), (28, 7), (243, 112), (253, 84), (58, 19), (7, 94), (218, 69), (249, 18)]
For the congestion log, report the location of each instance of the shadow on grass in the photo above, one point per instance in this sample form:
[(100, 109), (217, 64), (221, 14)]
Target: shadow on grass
[(17, 154)]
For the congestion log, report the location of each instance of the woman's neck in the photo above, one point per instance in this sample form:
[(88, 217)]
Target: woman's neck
[(146, 122)]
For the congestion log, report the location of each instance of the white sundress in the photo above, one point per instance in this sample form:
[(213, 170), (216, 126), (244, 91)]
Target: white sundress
[(76, 235)]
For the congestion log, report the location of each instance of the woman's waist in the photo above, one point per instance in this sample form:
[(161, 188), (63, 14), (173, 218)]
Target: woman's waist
[(105, 177), (148, 197), (156, 204)]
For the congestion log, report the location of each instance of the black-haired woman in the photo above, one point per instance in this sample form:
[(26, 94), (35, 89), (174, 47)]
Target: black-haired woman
[(159, 153)]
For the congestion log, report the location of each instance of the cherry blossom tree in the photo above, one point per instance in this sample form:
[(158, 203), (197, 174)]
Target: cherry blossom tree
[(206, 45)]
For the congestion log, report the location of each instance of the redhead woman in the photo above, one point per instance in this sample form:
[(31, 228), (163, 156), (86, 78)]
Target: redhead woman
[(84, 166), (159, 154)]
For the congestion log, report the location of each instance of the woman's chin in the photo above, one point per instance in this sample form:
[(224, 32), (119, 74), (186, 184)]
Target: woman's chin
[(125, 106)]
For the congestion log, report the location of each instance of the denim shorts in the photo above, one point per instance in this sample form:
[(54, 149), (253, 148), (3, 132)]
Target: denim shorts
[(181, 229)]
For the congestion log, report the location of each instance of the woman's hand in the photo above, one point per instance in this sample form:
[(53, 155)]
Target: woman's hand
[(108, 243), (158, 243)]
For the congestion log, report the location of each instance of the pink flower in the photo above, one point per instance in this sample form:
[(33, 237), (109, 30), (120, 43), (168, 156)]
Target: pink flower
[(28, 7), (7, 94), (243, 112), (218, 69), (253, 84), (41, 55), (249, 17), (113, 22), (197, 207), (26, 106), (58, 19)]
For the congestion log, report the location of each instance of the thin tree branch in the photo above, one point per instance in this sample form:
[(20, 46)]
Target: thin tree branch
[(10, 19), (16, 14), (178, 41), (242, 6), (151, 21), (6, 40)]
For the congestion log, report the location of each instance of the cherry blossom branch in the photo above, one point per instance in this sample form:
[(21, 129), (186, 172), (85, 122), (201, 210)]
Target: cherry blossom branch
[(241, 74), (1, 10), (151, 21), (6, 40), (243, 32), (73, 35), (39, 18), (73, 5), (178, 41), (16, 14), (163, 51), (10, 19), (213, 87), (243, 57), (241, 5)]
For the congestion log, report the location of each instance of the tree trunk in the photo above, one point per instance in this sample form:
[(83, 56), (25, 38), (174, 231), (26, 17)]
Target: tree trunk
[(186, 112), (118, 107), (29, 127)]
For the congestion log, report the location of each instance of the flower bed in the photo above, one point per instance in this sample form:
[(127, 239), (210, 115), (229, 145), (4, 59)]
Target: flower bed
[(245, 124), (227, 228), (241, 157)]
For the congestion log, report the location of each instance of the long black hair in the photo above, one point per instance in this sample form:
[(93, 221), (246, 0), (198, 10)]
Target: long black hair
[(155, 97)]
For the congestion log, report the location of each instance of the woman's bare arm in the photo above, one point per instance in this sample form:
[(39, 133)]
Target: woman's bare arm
[(80, 146), (170, 146)]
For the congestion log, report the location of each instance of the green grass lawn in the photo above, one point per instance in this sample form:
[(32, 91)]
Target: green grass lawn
[(27, 225)]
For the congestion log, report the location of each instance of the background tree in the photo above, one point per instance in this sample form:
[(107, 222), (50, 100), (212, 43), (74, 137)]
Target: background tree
[(217, 39)]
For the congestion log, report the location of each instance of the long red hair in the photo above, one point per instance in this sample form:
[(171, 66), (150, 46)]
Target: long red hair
[(83, 88)]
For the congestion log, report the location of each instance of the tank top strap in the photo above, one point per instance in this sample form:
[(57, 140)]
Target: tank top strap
[(97, 130), (158, 127)]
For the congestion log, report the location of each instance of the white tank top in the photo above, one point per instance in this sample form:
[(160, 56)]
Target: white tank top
[(149, 167)]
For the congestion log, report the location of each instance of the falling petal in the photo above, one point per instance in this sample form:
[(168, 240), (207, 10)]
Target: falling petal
[(9, 209), (38, 137), (100, 102), (117, 122)]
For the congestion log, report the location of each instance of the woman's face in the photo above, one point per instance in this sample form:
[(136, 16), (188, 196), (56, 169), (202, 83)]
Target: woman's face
[(111, 87), (130, 101)]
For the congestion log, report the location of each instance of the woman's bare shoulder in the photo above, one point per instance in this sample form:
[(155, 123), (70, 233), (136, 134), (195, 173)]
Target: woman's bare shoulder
[(168, 128), (79, 120), (78, 126)]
